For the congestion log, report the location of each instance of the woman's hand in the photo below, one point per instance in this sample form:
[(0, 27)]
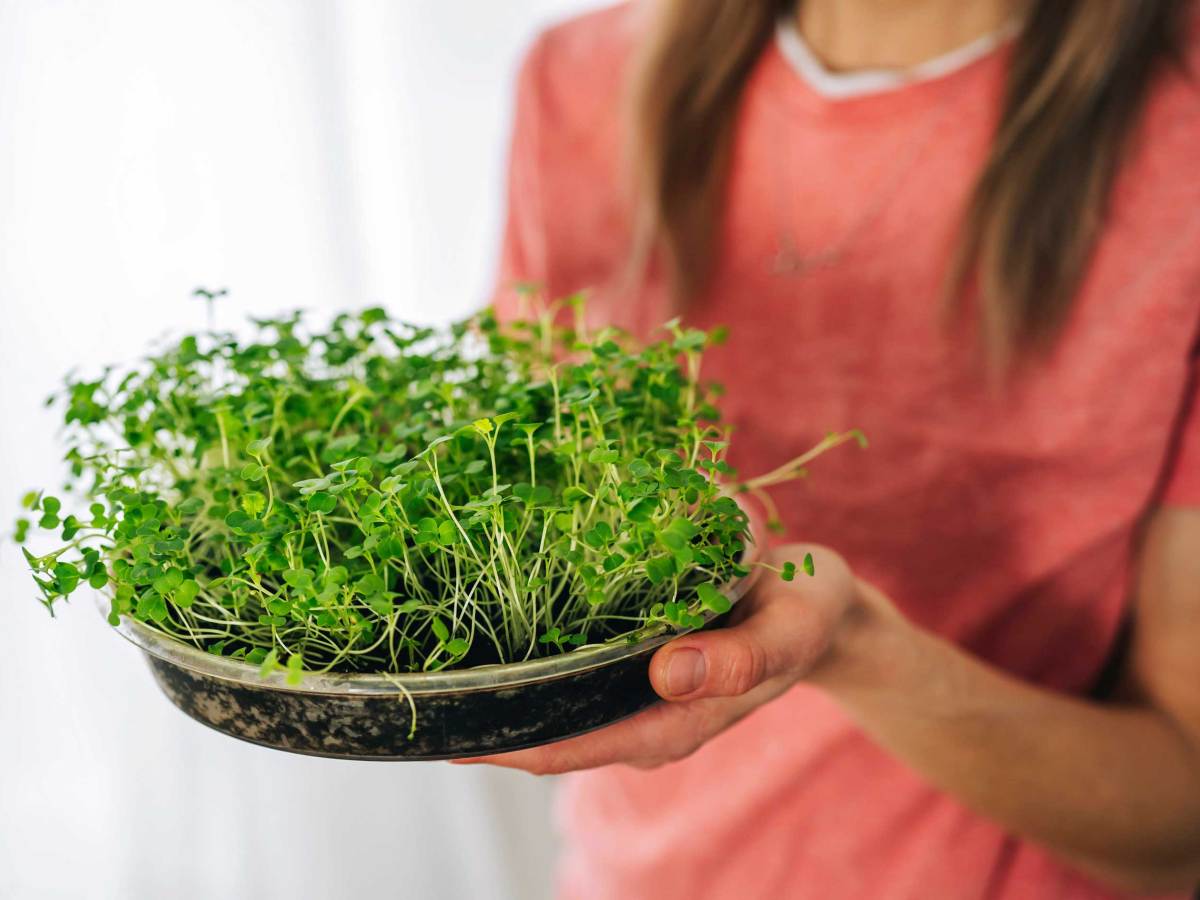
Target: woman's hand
[(1114, 788), (780, 632)]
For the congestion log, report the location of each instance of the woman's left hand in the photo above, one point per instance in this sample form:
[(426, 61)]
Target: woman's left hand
[(780, 633)]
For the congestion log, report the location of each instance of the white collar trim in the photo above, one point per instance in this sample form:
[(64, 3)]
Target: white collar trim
[(843, 85)]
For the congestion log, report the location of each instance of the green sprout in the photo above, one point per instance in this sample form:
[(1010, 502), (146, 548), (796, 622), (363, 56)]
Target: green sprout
[(209, 298), (377, 496)]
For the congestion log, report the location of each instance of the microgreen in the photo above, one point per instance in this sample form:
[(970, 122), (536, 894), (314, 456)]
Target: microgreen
[(376, 496)]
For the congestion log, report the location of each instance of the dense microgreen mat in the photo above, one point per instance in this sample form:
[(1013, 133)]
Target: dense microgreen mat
[(376, 496)]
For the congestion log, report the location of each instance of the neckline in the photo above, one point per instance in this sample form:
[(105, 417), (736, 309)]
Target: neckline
[(839, 86)]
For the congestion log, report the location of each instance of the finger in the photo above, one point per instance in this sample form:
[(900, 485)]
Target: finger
[(659, 729), (662, 734), (784, 629)]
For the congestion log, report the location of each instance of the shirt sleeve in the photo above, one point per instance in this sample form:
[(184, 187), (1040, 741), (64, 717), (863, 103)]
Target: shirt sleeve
[(1182, 479), (523, 249)]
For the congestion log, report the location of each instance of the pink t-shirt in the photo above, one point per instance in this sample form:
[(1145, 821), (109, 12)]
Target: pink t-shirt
[(1002, 521)]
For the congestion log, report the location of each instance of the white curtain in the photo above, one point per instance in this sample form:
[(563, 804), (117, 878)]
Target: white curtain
[(319, 154)]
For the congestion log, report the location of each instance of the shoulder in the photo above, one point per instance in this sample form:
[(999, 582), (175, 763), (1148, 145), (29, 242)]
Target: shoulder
[(1162, 166), (568, 139), (1146, 261), (1190, 29), (1175, 100), (576, 68)]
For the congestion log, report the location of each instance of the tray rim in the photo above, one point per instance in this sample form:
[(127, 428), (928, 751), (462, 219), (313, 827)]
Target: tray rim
[(495, 676)]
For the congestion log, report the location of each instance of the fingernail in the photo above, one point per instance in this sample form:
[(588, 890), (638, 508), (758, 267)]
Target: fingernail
[(685, 671)]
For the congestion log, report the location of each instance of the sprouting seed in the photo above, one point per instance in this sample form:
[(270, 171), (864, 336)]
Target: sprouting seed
[(376, 496)]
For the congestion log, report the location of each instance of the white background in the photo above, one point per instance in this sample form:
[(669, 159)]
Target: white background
[(302, 153)]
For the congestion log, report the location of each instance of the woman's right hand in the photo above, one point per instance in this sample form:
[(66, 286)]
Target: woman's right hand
[(780, 633)]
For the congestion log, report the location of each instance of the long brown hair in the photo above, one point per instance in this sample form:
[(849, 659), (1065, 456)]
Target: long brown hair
[(1079, 76)]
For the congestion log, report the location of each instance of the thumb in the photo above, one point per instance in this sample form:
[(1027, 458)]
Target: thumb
[(785, 630)]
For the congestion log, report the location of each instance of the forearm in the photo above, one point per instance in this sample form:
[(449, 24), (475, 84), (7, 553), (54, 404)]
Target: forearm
[(1115, 789)]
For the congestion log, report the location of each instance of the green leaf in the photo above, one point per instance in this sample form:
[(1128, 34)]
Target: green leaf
[(337, 575), (643, 510), (370, 584), (809, 567), (253, 472), (308, 486), (168, 581), (475, 467), (151, 606), (659, 569), (237, 520), (574, 494), (380, 605), (599, 535), (447, 533), (603, 456), (254, 503), (641, 469), (185, 594), (188, 507), (439, 629), (66, 577), (671, 540), (300, 579), (342, 444), (712, 599), (685, 528), (322, 502), (269, 664)]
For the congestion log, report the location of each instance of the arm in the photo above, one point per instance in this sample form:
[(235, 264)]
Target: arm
[(1115, 789)]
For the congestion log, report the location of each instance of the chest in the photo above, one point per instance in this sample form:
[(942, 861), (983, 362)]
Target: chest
[(828, 269)]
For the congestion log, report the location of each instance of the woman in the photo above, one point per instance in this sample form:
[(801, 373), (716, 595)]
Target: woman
[(972, 229)]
